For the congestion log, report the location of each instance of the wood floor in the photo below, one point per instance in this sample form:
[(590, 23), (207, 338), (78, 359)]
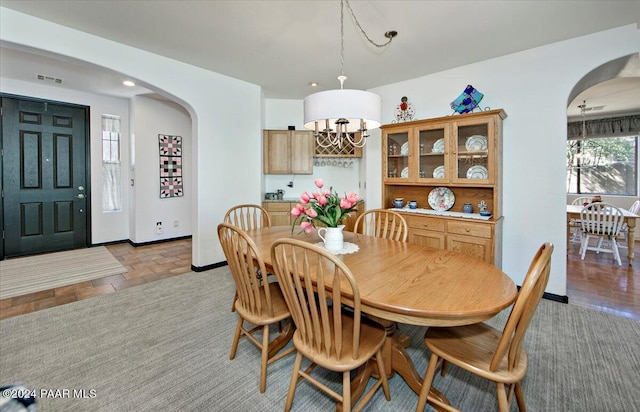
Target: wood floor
[(599, 283), (144, 264), (596, 282)]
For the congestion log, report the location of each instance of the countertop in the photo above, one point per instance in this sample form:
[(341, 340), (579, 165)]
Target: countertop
[(475, 216), (283, 200)]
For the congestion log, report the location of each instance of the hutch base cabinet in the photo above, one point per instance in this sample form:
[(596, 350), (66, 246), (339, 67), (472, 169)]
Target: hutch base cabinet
[(475, 238)]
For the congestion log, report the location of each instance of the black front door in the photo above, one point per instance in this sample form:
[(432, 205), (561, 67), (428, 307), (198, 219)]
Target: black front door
[(44, 176)]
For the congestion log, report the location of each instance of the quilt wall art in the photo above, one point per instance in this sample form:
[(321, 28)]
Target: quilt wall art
[(170, 166)]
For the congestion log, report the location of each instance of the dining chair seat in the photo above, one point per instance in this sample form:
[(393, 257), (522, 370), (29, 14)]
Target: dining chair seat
[(481, 335), (347, 360), (279, 306), (496, 355)]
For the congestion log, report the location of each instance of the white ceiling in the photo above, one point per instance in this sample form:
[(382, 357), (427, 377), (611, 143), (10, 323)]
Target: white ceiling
[(284, 45)]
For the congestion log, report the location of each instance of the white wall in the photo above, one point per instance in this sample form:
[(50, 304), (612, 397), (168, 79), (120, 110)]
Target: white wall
[(154, 117), (281, 113), (532, 87), (226, 142), (105, 226)]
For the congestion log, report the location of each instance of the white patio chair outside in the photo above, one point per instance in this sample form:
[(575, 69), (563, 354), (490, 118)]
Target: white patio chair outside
[(624, 231), (576, 235), (602, 221)]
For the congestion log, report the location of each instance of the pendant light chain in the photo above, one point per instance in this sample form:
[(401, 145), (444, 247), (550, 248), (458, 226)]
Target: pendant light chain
[(341, 41), (388, 34), (583, 108), (320, 108)]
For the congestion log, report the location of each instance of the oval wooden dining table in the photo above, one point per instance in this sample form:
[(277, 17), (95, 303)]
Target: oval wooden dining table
[(412, 284)]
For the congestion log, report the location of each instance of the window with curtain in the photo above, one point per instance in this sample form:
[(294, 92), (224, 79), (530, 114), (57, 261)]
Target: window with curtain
[(602, 156), (111, 166)]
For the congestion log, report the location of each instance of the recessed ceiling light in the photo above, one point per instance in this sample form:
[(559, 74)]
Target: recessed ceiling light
[(313, 84), (128, 83)]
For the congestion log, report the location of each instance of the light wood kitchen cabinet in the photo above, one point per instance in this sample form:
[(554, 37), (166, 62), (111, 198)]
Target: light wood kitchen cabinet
[(288, 151), (462, 153), (280, 213)]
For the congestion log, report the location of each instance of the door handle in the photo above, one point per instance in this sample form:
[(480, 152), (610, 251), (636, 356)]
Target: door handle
[(81, 196)]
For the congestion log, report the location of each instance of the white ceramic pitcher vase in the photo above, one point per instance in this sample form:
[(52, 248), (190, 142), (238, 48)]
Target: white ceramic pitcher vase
[(332, 237)]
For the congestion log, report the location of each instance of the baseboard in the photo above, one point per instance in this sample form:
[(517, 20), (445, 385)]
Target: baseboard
[(553, 296), (209, 267), (113, 242), (153, 242), (556, 298), (134, 244)]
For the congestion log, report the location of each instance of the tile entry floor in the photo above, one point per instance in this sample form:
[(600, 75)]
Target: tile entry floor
[(143, 263)]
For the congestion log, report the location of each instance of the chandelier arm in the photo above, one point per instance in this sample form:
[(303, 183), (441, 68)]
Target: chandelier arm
[(362, 30), (330, 141), (360, 143)]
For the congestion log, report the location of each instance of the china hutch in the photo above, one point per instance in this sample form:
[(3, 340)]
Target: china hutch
[(442, 164)]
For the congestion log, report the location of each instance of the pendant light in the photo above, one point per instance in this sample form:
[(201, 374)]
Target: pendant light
[(336, 115)]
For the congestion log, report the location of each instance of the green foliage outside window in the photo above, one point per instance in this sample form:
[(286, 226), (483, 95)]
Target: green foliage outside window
[(602, 166)]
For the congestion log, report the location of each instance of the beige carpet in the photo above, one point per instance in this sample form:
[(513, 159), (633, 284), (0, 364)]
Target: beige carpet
[(164, 346), (42, 272)]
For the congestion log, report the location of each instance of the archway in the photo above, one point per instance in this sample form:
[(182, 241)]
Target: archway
[(82, 82), (608, 92)]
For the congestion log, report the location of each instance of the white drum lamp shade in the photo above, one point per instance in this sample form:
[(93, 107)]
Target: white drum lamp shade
[(353, 105)]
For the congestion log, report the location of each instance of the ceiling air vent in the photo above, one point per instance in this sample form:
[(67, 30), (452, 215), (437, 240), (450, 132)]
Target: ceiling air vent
[(593, 109), (46, 78)]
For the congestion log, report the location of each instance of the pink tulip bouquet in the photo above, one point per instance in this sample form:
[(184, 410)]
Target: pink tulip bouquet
[(326, 207)]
